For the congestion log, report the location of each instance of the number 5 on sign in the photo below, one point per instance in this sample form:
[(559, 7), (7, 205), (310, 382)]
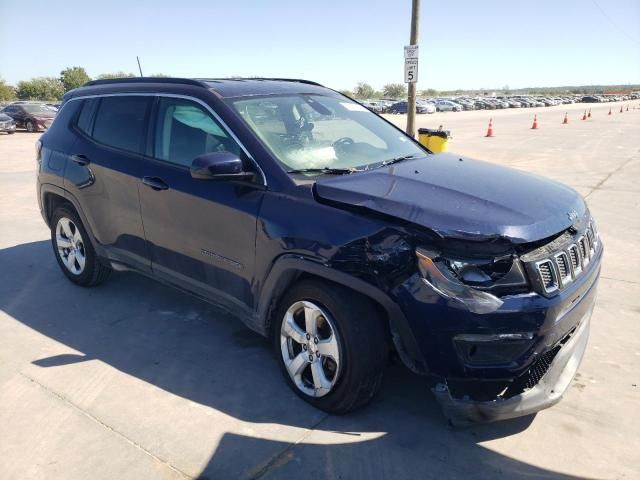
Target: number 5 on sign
[(410, 70)]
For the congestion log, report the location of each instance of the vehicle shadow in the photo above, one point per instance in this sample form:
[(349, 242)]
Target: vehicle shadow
[(190, 349)]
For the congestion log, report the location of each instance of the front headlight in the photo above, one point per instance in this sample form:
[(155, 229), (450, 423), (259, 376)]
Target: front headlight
[(469, 281)]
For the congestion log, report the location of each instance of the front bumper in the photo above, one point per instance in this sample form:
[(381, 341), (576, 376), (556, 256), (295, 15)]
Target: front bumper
[(547, 392)]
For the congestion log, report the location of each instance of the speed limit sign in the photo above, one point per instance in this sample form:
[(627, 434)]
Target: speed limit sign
[(410, 70)]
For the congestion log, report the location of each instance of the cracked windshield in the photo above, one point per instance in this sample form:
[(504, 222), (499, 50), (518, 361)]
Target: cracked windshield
[(312, 133)]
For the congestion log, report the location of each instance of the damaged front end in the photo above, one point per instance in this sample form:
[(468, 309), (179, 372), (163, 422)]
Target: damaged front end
[(501, 327), (522, 324), (491, 289)]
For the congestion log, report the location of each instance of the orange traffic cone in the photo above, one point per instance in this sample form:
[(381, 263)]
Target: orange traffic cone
[(566, 119), (490, 129), (589, 114), (535, 123), (620, 108), (609, 110), (584, 117)]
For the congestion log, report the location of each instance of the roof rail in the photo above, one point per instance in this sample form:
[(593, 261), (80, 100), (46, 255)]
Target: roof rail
[(109, 81), (240, 79)]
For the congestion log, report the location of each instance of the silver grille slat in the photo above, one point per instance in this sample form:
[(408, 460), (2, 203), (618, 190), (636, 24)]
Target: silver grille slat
[(547, 273), (574, 255), (564, 268), (584, 251)]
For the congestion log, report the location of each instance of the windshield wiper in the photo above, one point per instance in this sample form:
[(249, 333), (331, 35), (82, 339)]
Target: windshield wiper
[(327, 170), (397, 159)]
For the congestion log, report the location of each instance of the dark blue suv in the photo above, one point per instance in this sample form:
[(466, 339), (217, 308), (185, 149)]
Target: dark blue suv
[(326, 229)]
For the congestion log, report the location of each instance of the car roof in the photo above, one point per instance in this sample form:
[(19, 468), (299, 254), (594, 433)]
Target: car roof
[(224, 87)]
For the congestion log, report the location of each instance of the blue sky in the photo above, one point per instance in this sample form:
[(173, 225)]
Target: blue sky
[(463, 44)]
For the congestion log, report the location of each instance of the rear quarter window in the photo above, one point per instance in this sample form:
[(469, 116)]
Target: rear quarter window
[(83, 121), (121, 122)]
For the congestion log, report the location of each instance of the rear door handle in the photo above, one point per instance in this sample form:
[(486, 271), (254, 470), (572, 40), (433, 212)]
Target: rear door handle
[(80, 160), (155, 183)]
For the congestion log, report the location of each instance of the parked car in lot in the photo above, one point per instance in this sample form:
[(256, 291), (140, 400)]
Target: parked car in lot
[(7, 124), (427, 107), (447, 106), (32, 116), (464, 103), (403, 107), (341, 239)]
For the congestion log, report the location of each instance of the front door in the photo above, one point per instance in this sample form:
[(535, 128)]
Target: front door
[(201, 233)]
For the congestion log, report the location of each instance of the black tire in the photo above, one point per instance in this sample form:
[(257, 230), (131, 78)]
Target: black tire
[(11, 133), (94, 272), (363, 344), (29, 125)]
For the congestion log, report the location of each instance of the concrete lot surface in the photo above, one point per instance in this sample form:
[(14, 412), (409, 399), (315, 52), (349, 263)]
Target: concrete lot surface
[(133, 380)]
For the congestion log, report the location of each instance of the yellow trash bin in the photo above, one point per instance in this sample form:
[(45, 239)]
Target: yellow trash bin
[(435, 140)]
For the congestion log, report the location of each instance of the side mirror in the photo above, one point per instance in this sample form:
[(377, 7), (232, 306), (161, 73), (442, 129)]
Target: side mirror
[(219, 166)]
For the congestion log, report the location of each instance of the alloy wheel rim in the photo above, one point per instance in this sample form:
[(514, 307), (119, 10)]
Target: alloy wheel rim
[(310, 348), (30, 126), (70, 246)]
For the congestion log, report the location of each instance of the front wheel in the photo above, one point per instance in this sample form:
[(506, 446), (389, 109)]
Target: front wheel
[(30, 126), (332, 346)]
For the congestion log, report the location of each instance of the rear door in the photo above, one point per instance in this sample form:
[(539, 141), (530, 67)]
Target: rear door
[(103, 173), (201, 233)]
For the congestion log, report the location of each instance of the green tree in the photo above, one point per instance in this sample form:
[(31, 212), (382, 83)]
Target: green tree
[(7, 92), (159, 75), (73, 77), (363, 90), (348, 93), (106, 76), (394, 90), (41, 88), (430, 92)]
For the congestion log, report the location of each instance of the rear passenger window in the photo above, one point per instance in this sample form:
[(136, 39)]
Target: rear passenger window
[(86, 112), (121, 122)]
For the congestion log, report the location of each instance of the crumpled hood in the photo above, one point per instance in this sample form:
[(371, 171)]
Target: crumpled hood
[(466, 199)]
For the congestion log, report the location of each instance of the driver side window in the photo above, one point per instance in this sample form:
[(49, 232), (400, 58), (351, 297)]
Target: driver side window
[(185, 130)]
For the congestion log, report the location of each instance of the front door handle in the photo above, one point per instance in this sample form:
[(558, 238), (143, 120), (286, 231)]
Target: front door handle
[(155, 183), (80, 160)]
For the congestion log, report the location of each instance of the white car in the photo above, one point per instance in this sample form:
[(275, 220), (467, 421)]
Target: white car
[(447, 106), (427, 107)]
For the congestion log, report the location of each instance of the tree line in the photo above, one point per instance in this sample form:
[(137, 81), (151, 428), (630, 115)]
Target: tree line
[(53, 88)]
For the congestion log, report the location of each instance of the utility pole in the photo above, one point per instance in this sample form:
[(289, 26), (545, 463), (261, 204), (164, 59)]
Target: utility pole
[(413, 40)]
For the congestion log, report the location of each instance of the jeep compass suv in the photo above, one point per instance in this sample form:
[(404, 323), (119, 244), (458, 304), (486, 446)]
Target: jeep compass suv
[(328, 230)]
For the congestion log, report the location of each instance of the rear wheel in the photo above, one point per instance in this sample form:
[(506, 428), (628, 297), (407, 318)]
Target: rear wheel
[(331, 345), (73, 249)]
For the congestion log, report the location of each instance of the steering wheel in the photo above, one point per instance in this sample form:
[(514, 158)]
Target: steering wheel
[(343, 142)]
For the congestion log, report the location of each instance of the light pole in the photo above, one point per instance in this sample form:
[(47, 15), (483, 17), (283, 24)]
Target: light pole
[(413, 40)]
